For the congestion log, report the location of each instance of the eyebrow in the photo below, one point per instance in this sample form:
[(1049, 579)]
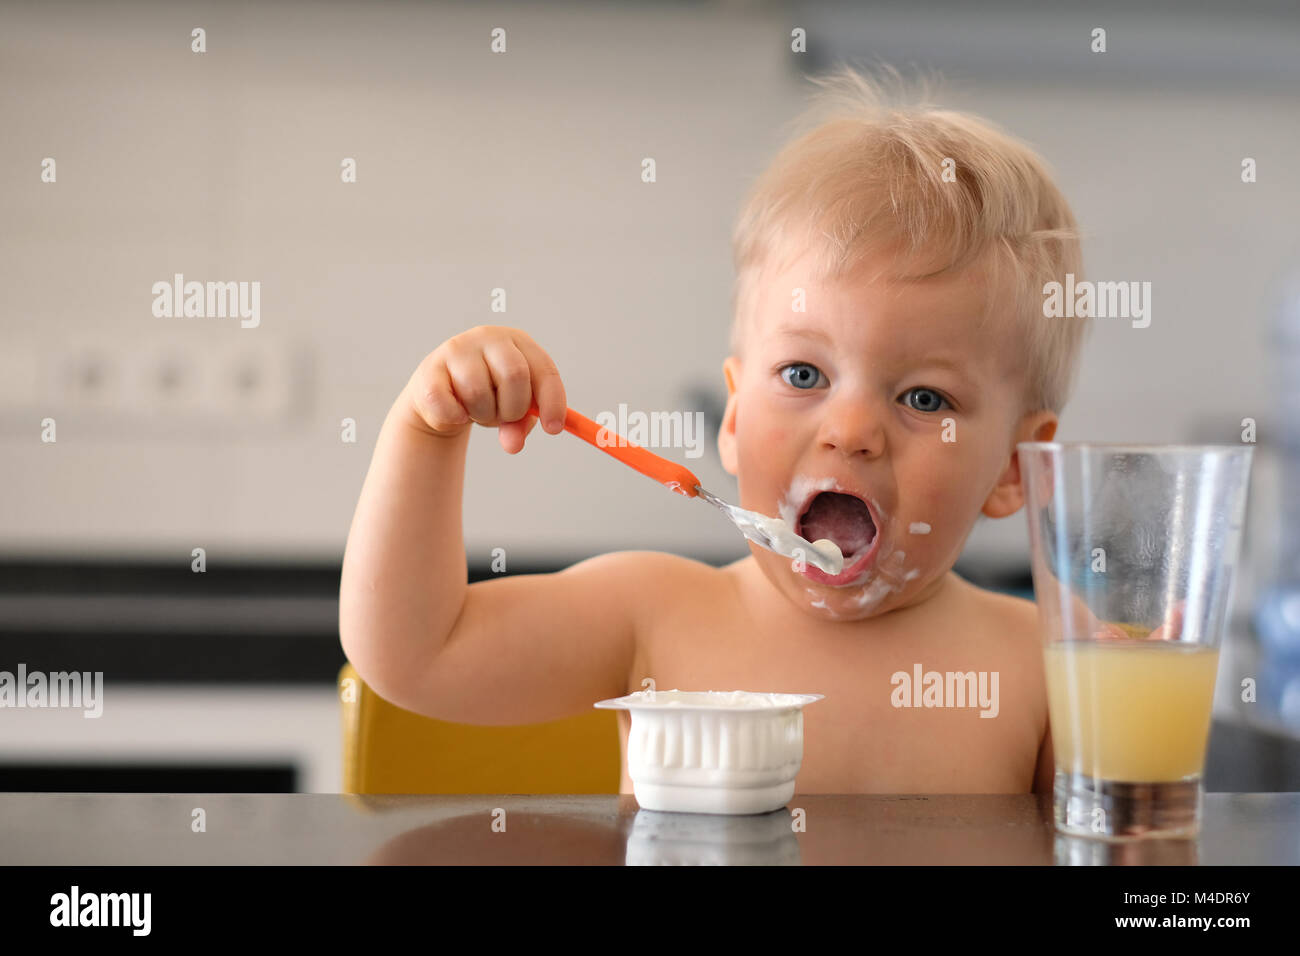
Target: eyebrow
[(942, 361), (801, 332), (958, 368)]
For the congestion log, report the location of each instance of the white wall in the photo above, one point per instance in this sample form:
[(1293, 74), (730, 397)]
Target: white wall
[(518, 170)]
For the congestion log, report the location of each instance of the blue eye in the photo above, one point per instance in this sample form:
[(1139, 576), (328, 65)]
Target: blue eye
[(924, 400), (801, 375)]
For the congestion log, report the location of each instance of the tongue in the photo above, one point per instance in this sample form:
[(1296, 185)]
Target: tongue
[(842, 518)]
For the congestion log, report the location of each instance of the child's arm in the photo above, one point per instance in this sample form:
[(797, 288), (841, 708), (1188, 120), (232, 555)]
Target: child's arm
[(514, 650)]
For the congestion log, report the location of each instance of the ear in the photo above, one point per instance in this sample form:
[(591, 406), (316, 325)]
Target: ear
[(1008, 494), (727, 432)]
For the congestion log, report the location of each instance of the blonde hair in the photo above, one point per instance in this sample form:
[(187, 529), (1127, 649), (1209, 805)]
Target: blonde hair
[(870, 178)]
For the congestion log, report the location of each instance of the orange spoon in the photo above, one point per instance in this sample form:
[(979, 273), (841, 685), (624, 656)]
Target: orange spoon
[(670, 474), (771, 533)]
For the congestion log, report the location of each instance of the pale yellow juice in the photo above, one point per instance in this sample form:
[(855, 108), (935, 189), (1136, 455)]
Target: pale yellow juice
[(1134, 711)]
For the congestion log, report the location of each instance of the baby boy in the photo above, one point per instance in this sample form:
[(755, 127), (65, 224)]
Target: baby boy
[(889, 349)]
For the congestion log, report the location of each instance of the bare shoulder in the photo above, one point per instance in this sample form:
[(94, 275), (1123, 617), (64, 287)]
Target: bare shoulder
[(1003, 614), (644, 567), (641, 580)]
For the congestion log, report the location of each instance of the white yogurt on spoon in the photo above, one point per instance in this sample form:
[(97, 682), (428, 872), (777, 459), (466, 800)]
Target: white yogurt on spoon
[(781, 538)]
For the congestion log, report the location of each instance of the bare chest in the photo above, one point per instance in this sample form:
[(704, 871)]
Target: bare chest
[(905, 710)]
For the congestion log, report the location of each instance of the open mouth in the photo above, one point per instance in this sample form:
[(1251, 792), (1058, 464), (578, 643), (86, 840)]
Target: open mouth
[(844, 519)]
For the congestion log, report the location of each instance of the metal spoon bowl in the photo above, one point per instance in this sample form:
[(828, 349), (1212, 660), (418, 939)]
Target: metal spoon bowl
[(777, 536)]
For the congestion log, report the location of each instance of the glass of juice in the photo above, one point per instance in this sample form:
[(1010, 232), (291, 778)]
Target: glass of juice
[(1133, 551)]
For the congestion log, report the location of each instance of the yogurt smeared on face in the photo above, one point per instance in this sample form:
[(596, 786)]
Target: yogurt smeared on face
[(801, 491)]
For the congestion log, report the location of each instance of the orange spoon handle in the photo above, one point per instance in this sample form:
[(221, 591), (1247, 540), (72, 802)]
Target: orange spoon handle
[(670, 474)]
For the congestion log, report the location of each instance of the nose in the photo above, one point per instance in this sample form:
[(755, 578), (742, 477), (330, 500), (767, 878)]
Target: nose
[(852, 427)]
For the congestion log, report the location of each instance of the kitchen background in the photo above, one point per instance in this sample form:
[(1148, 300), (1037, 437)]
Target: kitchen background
[(522, 171)]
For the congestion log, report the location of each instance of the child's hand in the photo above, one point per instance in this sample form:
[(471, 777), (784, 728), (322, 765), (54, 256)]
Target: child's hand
[(489, 374)]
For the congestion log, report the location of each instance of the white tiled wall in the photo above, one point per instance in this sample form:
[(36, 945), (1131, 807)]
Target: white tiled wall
[(521, 171)]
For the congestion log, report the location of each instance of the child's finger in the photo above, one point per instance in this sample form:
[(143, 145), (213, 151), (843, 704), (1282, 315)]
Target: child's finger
[(512, 435), (472, 383), (511, 378), (435, 401), (548, 389)]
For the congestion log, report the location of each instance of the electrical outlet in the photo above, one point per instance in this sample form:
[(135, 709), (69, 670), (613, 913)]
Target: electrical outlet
[(163, 383), (252, 382), (152, 386), (83, 378)]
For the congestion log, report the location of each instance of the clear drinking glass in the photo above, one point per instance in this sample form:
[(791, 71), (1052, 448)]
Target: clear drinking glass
[(1134, 549)]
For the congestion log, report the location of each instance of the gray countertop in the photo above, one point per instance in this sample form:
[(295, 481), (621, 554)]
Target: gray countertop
[(115, 829)]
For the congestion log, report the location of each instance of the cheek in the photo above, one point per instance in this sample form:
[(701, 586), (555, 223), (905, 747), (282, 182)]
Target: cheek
[(756, 436), (939, 497), (957, 497)]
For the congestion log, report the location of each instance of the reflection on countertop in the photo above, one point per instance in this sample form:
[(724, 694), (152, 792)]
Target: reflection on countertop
[(815, 829)]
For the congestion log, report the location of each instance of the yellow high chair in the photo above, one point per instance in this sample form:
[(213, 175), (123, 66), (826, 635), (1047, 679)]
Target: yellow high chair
[(390, 750)]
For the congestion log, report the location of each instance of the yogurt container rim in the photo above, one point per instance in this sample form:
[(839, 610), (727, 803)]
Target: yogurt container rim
[(708, 700)]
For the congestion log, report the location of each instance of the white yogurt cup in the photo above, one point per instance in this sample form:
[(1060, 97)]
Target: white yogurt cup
[(713, 751)]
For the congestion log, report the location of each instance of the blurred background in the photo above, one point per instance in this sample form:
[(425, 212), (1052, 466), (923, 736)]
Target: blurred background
[(521, 171)]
